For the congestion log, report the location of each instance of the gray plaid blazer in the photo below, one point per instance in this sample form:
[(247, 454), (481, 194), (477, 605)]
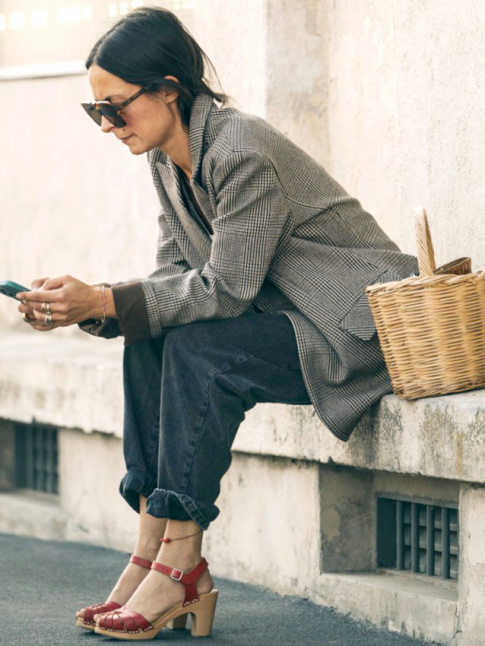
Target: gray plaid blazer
[(286, 238)]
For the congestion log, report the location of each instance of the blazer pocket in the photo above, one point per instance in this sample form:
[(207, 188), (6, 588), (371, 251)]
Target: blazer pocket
[(359, 321)]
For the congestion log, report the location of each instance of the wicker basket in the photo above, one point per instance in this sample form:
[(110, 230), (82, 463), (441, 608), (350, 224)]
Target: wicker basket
[(431, 327)]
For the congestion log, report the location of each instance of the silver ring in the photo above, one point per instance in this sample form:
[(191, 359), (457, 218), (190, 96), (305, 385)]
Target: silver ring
[(48, 319), (46, 308)]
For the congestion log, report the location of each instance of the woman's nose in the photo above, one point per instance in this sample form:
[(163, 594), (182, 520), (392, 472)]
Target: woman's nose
[(106, 125)]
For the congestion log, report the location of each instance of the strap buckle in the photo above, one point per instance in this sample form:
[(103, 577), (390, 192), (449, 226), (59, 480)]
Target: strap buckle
[(176, 575)]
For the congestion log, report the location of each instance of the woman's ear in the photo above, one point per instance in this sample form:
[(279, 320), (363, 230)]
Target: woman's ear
[(170, 93)]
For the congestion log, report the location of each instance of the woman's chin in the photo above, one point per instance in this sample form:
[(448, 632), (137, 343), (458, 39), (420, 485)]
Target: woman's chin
[(136, 148)]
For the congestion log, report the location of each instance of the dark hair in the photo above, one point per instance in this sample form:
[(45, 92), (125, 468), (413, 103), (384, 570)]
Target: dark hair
[(150, 43)]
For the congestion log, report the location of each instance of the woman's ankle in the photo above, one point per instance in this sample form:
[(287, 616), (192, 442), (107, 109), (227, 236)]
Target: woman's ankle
[(181, 556), (184, 562), (147, 549)]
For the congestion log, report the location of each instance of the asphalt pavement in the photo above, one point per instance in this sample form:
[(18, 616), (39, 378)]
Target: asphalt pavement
[(44, 583)]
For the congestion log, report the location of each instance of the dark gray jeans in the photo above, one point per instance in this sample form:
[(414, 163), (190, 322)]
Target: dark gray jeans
[(186, 393)]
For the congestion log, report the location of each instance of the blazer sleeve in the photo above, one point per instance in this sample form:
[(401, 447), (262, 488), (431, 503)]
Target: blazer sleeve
[(252, 220), (170, 259)]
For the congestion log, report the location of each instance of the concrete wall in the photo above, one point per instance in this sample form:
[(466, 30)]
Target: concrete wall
[(75, 201), (389, 96), (406, 114)]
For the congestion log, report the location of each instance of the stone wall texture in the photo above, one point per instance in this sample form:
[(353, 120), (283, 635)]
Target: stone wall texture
[(389, 96)]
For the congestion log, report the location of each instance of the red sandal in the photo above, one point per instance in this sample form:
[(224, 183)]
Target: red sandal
[(127, 624), (88, 620)]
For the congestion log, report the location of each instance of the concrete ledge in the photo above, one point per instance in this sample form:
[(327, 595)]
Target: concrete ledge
[(402, 605), (31, 513), (438, 437), (65, 382), (68, 382)]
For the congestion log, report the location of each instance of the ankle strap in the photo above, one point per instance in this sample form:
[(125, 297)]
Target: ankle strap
[(188, 579), (137, 560)]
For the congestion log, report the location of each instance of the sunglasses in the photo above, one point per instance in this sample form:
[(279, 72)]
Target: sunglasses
[(100, 109)]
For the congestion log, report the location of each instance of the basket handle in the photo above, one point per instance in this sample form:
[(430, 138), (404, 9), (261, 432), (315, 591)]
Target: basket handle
[(426, 260)]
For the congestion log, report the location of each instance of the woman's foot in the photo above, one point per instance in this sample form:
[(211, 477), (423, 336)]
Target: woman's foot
[(158, 593), (130, 579)]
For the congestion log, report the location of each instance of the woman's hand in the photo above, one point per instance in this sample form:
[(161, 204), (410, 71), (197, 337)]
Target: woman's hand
[(63, 301), (28, 312)]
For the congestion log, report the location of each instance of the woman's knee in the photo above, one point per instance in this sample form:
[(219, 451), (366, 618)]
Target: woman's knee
[(187, 340), (197, 349)]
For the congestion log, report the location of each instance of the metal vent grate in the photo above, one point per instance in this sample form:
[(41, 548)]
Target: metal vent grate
[(419, 537), (36, 458)]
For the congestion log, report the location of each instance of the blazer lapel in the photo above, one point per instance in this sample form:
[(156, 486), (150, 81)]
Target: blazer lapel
[(171, 182), (199, 237), (201, 109)]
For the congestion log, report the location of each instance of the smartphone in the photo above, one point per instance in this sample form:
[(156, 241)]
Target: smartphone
[(9, 288)]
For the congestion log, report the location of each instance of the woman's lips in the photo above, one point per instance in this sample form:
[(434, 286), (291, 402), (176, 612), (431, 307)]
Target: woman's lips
[(126, 139)]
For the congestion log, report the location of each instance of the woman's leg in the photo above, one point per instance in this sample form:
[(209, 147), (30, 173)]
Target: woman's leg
[(186, 394), (141, 375), (151, 529), (212, 373), (158, 593)]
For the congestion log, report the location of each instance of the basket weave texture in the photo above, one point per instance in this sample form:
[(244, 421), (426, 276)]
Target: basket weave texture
[(431, 327)]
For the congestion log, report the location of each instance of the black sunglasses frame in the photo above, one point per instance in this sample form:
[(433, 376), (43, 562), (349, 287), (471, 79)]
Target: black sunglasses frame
[(99, 109)]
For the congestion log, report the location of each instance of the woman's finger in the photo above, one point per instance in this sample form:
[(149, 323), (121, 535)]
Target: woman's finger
[(54, 308), (38, 282), (43, 321), (55, 283), (39, 296), (44, 290), (28, 318), (37, 323), (25, 309)]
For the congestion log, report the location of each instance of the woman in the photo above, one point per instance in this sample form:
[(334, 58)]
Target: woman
[(258, 295)]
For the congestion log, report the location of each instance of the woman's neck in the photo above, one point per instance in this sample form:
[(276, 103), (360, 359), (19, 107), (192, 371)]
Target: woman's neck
[(178, 149)]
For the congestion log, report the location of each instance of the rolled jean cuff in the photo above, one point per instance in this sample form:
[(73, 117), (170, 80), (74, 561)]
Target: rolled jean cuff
[(135, 483), (178, 506)]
